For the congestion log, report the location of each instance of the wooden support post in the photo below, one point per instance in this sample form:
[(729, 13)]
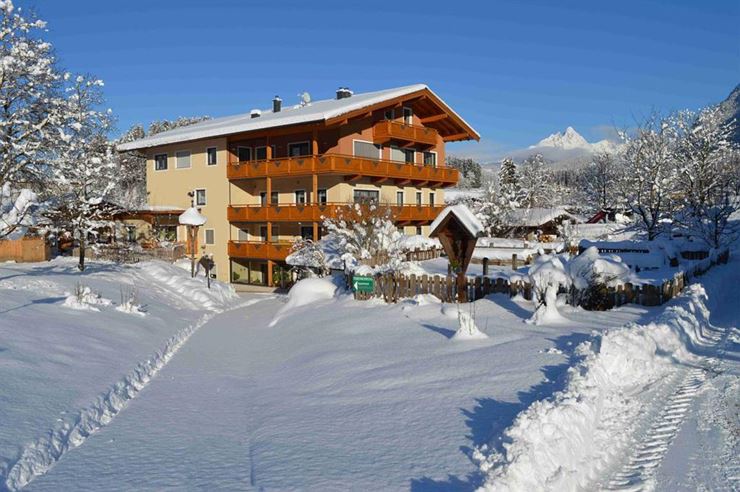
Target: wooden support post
[(315, 189), (268, 190), (315, 142), (268, 236), (268, 149), (270, 266), (485, 266), (315, 231)]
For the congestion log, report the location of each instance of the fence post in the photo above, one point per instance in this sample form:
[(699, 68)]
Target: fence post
[(513, 262), (485, 266)]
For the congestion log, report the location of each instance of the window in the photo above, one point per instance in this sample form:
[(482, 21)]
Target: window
[(418, 230), (307, 232), (366, 196), (243, 235), (399, 198), (388, 115), (160, 162), (210, 236), (182, 159), (200, 197), (211, 156), (430, 159), (431, 199), (298, 149), (418, 198), (244, 153), (321, 196), (260, 153), (403, 155), (366, 149), (273, 197), (300, 197), (408, 115)]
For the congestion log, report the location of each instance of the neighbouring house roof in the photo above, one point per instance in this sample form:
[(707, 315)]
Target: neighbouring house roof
[(463, 214), (315, 111), (534, 217)]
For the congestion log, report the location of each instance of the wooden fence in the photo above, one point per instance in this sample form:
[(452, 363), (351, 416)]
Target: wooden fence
[(392, 287), (423, 254), (25, 250)]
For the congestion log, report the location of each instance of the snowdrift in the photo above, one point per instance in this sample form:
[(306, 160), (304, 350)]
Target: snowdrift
[(562, 443)]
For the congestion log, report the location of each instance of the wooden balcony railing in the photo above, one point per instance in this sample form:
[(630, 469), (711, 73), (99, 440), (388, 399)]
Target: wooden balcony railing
[(314, 213), (347, 165), (386, 130), (277, 251)]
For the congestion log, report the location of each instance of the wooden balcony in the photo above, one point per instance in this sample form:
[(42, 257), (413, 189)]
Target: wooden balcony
[(385, 131), (314, 213), (276, 251), (351, 167)]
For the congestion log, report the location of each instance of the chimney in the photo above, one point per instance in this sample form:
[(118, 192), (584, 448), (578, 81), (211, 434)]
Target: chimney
[(276, 104), (255, 113), (343, 93)]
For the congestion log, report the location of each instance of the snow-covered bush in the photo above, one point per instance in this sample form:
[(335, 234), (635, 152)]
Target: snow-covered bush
[(309, 256), (128, 302), (593, 274), (546, 276), (467, 329), (85, 299), (366, 234)]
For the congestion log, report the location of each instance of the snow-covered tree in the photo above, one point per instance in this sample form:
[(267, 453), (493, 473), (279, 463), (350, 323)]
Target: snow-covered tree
[(131, 170), (508, 183), (598, 181), (536, 182), (705, 157), (493, 209), (470, 171), (83, 170), (547, 276), (648, 179), (30, 108), (165, 125)]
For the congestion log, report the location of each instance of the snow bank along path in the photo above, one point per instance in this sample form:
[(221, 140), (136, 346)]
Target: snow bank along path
[(39, 456), (568, 441)]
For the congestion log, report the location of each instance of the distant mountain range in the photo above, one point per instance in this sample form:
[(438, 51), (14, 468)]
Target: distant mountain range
[(570, 149), (565, 149)]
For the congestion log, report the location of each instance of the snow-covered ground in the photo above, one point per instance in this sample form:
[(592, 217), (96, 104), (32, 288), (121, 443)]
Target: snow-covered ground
[(66, 366), (322, 392)]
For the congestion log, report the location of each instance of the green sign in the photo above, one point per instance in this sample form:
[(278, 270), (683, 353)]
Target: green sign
[(363, 284)]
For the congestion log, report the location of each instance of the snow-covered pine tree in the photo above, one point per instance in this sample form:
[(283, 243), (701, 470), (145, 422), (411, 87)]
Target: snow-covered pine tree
[(470, 171), (30, 110), (536, 182), (707, 162), (493, 209), (83, 171), (508, 183), (648, 180)]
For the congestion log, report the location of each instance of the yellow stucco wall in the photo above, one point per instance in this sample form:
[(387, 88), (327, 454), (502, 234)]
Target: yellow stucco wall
[(170, 188)]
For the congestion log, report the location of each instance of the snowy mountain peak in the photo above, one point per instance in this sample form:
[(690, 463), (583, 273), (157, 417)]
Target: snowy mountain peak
[(571, 139)]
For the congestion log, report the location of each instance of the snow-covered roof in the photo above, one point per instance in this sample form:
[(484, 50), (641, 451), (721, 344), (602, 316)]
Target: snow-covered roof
[(192, 217), (468, 220), (315, 111), (533, 217)]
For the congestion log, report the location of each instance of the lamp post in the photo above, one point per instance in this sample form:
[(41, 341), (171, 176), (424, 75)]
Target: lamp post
[(193, 219)]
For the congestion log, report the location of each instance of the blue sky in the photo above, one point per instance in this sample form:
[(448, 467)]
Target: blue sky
[(516, 70)]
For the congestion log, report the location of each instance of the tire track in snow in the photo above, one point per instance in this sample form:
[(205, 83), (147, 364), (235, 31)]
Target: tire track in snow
[(648, 455), (639, 471), (38, 457)]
